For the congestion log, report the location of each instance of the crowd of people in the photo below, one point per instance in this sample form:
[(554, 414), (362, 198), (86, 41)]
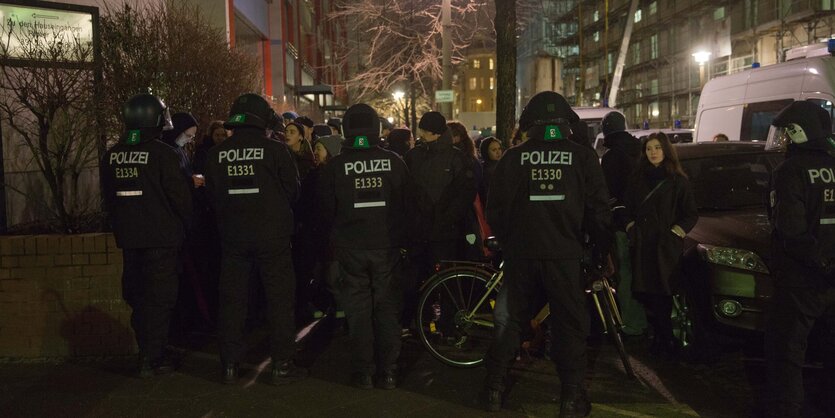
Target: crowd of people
[(351, 215)]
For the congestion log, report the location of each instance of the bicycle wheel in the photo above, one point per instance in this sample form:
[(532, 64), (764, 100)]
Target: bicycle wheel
[(611, 320), (445, 324)]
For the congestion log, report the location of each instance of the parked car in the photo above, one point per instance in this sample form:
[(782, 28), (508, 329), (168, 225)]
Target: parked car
[(677, 136), (725, 275)]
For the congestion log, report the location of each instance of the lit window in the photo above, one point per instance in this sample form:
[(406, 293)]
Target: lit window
[(473, 83), (490, 63), (654, 46), (653, 8), (596, 36), (476, 64), (596, 15), (492, 83), (719, 13), (637, 15)]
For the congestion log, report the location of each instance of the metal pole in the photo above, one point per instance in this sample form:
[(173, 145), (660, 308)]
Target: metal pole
[(446, 24), (624, 47)]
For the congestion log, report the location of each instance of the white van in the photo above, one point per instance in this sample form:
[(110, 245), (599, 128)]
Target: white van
[(593, 116), (743, 105)]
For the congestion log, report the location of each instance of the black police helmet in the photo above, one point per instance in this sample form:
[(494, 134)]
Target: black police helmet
[(804, 121), (361, 121), (547, 108), (252, 110), (613, 122), (146, 111)]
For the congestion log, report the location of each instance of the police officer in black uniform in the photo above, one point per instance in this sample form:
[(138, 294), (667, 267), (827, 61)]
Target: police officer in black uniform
[(803, 217), (149, 206), (253, 181), (363, 191), (547, 193)]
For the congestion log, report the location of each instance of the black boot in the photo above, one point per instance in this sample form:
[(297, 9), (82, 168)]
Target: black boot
[(145, 368), (230, 374), (286, 372), (388, 378), (574, 403), (491, 399)]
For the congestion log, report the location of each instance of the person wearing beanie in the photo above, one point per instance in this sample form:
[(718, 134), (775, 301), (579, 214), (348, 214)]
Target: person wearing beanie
[(802, 214), (302, 151), (491, 151), (545, 196), (308, 127), (619, 163), (363, 194), (320, 130), (444, 186), (386, 128), (336, 126)]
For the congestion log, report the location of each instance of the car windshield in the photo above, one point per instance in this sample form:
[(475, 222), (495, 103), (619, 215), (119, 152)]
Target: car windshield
[(731, 181)]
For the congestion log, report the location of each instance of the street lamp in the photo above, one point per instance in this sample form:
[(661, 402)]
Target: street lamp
[(702, 58), (478, 105), (398, 95)]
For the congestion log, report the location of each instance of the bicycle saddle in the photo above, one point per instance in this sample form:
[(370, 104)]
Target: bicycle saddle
[(492, 243)]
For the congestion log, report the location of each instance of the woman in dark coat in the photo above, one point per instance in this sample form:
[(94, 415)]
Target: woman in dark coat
[(491, 153), (661, 210)]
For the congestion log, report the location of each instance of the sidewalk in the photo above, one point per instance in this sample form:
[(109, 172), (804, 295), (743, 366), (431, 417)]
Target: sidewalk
[(105, 388)]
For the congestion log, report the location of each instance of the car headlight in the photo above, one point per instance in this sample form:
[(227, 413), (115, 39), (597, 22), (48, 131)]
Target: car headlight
[(734, 257)]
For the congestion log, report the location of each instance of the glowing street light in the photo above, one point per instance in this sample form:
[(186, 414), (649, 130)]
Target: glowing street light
[(398, 95), (701, 57)]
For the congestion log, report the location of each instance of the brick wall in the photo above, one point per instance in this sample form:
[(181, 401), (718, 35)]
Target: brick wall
[(60, 296)]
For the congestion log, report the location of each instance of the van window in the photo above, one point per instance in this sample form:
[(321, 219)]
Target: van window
[(757, 117), (827, 106)]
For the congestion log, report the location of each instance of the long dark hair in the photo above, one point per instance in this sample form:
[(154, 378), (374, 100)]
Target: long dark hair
[(671, 162), (466, 145)]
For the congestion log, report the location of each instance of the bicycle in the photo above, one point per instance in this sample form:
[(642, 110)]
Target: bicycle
[(455, 312)]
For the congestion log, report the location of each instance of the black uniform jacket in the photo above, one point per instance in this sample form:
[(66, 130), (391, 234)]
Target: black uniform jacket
[(363, 192), (252, 181), (444, 189), (803, 215), (544, 195), (147, 200), (618, 163)]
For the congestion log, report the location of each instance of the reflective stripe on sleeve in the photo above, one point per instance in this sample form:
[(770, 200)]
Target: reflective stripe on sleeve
[(245, 191), (126, 193), (547, 198), (369, 204), (827, 221)]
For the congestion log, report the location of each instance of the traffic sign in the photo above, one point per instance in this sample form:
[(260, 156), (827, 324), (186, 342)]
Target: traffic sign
[(444, 96)]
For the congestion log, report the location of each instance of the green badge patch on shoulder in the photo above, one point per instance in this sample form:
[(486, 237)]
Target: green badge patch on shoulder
[(361, 142), (552, 132), (134, 137), (238, 118)]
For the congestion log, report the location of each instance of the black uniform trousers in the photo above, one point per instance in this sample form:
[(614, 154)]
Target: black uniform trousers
[(149, 286), (370, 295), (791, 316), (524, 282), (276, 272)]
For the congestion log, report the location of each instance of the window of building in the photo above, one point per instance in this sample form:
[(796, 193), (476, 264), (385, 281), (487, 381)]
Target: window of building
[(490, 63), (636, 53), (653, 46), (653, 8), (611, 62), (473, 83), (476, 64), (639, 92), (596, 15), (492, 83), (653, 86), (653, 109), (483, 82), (637, 15), (719, 13), (596, 36)]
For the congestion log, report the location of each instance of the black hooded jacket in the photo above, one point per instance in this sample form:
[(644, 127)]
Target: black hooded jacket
[(444, 189), (803, 214), (618, 164), (253, 182), (148, 203), (544, 196), (363, 196)]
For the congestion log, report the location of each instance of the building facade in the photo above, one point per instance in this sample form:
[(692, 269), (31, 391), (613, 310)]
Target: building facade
[(474, 89), (661, 79)]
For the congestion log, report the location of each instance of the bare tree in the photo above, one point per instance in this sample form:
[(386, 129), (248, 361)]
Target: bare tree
[(170, 50), (398, 44), (46, 98), (505, 23)]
